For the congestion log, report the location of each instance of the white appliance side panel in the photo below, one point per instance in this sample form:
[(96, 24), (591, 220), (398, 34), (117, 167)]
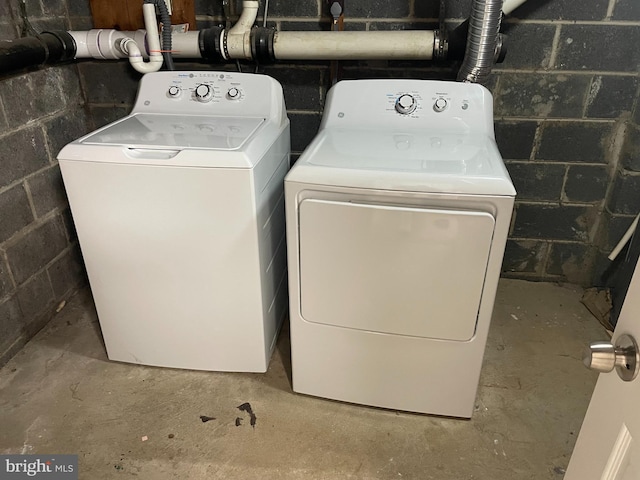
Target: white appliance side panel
[(172, 258), (269, 192), (400, 270)]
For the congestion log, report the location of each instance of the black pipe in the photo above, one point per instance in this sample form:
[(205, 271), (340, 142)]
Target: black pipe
[(46, 48), (262, 45), (209, 43)]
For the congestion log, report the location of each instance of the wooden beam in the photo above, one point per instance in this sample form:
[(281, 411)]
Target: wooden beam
[(127, 14)]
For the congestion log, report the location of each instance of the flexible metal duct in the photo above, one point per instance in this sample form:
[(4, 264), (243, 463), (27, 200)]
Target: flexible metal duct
[(484, 24)]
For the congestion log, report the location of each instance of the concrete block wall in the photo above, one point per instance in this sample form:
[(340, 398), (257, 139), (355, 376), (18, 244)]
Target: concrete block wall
[(40, 111)]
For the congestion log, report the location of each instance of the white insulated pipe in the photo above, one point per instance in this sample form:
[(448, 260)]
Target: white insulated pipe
[(378, 45), (510, 5)]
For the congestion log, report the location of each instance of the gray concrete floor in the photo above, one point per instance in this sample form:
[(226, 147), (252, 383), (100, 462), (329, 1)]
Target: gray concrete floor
[(60, 394)]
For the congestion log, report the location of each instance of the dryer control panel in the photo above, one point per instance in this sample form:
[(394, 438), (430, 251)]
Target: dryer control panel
[(209, 93), (436, 105)]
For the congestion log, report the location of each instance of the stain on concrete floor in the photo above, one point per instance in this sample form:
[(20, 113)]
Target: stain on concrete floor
[(60, 394)]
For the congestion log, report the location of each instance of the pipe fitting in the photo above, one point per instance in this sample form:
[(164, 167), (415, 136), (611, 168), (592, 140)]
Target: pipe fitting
[(209, 44), (236, 43), (130, 47), (440, 45), (262, 45), (46, 48)]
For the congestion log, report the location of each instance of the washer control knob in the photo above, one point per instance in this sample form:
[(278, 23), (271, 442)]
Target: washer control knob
[(440, 104), (204, 93), (406, 104), (174, 91), (233, 93)]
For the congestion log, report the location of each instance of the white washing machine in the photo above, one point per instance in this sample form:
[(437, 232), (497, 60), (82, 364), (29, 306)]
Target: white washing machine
[(397, 218), (179, 210)]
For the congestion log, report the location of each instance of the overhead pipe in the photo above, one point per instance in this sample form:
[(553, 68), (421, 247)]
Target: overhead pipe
[(482, 41), (390, 45), (48, 47), (217, 44), (510, 5), (103, 43)]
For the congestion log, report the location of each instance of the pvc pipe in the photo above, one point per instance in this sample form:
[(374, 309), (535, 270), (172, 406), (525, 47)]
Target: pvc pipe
[(238, 39), (625, 238), (379, 45), (129, 46), (510, 5), (247, 18), (104, 43), (185, 45)]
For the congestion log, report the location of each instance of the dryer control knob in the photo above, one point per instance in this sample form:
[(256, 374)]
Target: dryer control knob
[(406, 104), (204, 93), (440, 104), (174, 91), (233, 93)]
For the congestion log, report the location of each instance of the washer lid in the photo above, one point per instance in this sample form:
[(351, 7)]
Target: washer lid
[(411, 160), (159, 131)]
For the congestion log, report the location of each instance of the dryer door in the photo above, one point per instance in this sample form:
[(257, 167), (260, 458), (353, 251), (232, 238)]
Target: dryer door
[(398, 270)]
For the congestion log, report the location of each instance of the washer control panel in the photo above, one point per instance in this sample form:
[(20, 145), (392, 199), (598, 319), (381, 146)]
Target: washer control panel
[(210, 93), (432, 104), (205, 87)]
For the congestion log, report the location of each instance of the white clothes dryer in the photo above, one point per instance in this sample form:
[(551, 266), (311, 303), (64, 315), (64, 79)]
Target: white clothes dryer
[(397, 219), (179, 209)]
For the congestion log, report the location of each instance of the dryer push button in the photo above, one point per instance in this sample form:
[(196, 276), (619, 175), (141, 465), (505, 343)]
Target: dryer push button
[(440, 104)]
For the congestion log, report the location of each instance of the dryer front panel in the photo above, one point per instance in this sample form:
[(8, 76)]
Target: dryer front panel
[(391, 269)]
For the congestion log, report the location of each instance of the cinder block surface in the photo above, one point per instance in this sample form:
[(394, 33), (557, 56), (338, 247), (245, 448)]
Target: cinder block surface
[(562, 222), (586, 183), (17, 214), (38, 247), (537, 181), (574, 142)]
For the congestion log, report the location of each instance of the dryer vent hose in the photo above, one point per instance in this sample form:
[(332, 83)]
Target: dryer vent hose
[(482, 39), (165, 19)]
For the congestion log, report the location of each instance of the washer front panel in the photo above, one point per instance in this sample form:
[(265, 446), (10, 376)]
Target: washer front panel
[(391, 269)]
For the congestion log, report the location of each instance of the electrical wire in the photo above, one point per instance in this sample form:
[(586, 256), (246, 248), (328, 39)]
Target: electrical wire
[(27, 28), (266, 12), (264, 25)]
